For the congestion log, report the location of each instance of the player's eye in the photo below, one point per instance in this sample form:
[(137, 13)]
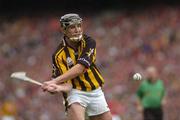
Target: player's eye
[(72, 26), (78, 25)]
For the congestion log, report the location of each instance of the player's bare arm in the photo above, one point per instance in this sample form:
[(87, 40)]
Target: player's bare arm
[(70, 74), (52, 86)]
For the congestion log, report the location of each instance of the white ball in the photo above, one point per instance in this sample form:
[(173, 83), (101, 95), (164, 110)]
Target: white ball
[(137, 76)]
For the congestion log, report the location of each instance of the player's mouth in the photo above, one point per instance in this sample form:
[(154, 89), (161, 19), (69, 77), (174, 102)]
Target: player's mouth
[(77, 34)]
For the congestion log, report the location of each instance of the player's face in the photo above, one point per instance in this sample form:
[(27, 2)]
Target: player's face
[(152, 75), (74, 32)]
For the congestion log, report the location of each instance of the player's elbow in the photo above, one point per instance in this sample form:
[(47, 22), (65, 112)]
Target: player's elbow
[(81, 69)]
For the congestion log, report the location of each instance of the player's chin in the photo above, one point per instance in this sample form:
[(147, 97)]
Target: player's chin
[(53, 92)]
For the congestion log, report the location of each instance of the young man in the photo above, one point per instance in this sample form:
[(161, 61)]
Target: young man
[(74, 67), (151, 93)]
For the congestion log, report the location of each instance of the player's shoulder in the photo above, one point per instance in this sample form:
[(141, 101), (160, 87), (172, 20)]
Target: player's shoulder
[(59, 48), (160, 81), (88, 39), (144, 82)]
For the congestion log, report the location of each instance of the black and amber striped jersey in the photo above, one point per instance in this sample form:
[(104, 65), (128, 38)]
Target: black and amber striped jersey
[(65, 57)]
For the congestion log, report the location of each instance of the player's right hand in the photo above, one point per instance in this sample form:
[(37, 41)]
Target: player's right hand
[(49, 87), (46, 85)]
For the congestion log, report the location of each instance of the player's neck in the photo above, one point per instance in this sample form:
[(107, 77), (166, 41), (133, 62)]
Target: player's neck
[(152, 81), (73, 45)]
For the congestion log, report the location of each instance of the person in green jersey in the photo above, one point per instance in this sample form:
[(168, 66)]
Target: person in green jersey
[(76, 74), (151, 93)]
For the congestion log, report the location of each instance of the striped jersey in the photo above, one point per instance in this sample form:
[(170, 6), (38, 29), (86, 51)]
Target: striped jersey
[(66, 57)]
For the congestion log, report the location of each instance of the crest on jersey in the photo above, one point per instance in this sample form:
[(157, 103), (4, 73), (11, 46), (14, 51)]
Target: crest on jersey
[(91, 51), (69, 62)]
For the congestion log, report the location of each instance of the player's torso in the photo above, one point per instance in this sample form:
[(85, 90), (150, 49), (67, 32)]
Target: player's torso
[(66, 57)]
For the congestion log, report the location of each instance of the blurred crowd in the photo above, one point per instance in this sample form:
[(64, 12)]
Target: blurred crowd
[(127, 42)]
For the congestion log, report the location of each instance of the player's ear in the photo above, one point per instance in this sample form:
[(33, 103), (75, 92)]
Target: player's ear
[(62, 29)]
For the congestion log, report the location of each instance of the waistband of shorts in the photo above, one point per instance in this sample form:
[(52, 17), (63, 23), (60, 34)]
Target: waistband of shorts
[(93, 91)]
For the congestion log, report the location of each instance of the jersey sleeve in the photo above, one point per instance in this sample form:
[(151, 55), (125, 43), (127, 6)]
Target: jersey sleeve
[(163, 89), (59, 66), (139, 92), (55, 70), (88, 55)]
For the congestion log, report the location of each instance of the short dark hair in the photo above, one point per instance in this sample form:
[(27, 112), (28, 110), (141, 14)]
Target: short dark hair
[(70, 19)]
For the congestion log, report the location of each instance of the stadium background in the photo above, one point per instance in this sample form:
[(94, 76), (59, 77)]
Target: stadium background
[(130, 35)]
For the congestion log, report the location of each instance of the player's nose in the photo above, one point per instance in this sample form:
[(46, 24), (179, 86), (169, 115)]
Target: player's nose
[(77, 28)]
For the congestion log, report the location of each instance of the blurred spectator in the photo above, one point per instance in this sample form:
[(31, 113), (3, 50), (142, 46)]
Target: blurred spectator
[(151, 93), (8, 111)]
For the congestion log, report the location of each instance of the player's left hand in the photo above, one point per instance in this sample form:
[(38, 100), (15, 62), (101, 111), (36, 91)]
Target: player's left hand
[(47, 85), (50, 87)]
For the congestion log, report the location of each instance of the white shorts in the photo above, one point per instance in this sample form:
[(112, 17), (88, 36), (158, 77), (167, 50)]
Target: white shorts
[(94, 101)]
